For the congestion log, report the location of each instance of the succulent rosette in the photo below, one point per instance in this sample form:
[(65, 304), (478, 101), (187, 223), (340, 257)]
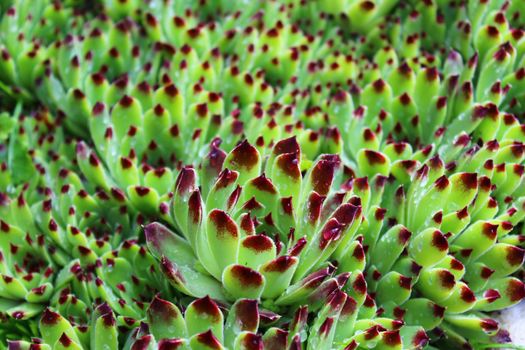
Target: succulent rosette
[(201, 326), (388, 94), (260, 175), (420, 258), (57, 332), (63, 243), (260, 205)]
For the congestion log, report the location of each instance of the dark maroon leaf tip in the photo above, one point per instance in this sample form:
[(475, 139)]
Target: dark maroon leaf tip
[(245, 155), (379, 84), (489, 325), (491, 295), (455, 264), (289, 164), (438, 311), (98, 108), (346, 213), (142, 343), (322, 176), (438, 217), (392, 338), (469, 181), (405, 282), (289, 145), (490, 230), (170, 344), (223, 223), (515, 290), (252, 341), (404, 235), (351, 346), (262, 183), (372, 332), (467, 295), (226, 178), (65, 340), (359, 253), (246, 276), (298, 247), (337, 300), (420, 340), (258, 243), (486, 272), (359, 284), (514, 255), (247, 312), (171, 90), (142, 190), (170, 270), (374, 157), (207, 306), (442, 183), (109, 319), (331, 232), (325, 328), (186, 181), (447, 279), (126, 101), (380, 214), (49, 317), (163, 309), (439, 241), (463, 213)]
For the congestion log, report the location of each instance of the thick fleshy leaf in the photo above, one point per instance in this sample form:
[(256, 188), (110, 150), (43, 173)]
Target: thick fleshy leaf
[(203, 315), (223, 237), (190, 281), (105, 333), (53, 326), (246, 160), (242, 282), (205, 341), (165, 320), (278, 274), (255, 251), (242, 317)]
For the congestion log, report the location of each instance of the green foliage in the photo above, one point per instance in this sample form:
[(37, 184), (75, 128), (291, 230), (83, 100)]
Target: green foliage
[(281, 174)]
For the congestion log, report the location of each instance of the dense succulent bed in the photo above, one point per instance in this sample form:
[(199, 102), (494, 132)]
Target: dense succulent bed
[(285, 174)]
